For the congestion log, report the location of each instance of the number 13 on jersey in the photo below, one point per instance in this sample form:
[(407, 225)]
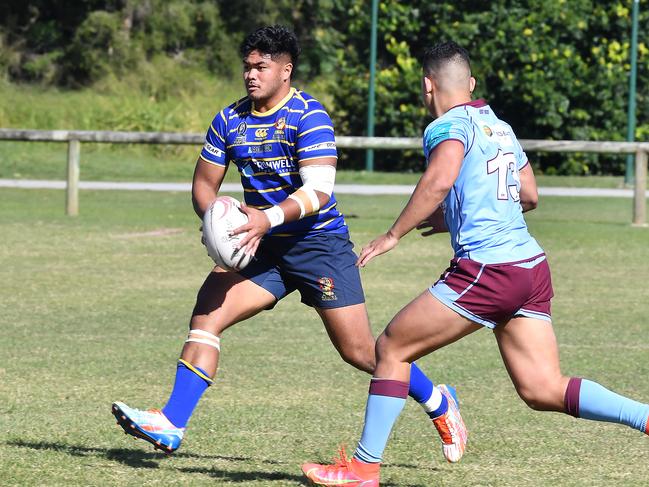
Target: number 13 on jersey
[(504, 164)]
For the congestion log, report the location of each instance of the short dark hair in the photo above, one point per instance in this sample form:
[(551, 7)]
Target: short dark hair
[(274, 40), (440, 54)]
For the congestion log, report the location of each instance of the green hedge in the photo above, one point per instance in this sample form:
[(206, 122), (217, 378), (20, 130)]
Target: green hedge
[(554, 69)]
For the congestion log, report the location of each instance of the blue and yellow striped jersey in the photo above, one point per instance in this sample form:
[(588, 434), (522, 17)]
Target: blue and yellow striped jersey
[(267, 149)]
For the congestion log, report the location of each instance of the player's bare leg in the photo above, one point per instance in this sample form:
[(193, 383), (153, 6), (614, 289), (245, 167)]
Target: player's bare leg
[(349, 331), (423, 326), (531, 355), (224, 299), (529, 349)]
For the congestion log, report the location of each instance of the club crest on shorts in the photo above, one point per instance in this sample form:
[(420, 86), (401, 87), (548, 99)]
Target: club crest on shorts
[(327, 287)]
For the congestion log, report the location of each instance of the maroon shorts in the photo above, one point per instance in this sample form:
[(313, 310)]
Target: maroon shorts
[(491, 294)]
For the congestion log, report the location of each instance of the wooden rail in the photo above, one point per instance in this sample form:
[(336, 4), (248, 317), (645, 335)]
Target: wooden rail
[(74, 138)]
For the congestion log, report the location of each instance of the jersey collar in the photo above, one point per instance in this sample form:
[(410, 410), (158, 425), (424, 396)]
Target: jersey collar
[(479, 103), (283, 102)]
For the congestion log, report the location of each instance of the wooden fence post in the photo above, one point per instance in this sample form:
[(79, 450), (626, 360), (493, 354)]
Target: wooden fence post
[(640, 188), (72, 200)]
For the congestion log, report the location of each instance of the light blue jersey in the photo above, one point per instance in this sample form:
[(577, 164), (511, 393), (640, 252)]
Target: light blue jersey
[(482, 210)]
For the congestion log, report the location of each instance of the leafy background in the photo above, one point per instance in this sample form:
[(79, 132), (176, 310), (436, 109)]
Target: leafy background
[(554, 69)]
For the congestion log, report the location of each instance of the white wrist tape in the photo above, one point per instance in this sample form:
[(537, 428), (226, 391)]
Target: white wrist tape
[(275, 216)]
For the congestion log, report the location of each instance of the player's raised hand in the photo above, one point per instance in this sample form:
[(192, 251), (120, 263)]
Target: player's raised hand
[(256, 228), (378, 246)]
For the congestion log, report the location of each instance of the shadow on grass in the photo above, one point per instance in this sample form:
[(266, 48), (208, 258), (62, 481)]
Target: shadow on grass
[(252, 476), (136, 458), (243, 476)]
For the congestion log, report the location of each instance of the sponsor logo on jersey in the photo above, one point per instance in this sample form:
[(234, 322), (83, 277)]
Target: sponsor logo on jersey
[(327, 287), (241, 128), (503, 135), (261, 134), (212, 150), (258, 149), (279, 166), (487, 130), (320, 146)]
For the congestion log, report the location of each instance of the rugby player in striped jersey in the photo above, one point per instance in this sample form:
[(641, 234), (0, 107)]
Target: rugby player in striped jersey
[(281, 141)]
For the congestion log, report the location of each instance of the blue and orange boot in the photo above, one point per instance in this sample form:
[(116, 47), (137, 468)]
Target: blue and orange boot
[(451, 427), (151, 426)]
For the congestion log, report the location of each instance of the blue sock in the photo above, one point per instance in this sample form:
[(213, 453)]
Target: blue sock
[(589, 400), (421, 390), (384, 404), (421, 387), (189, 386)]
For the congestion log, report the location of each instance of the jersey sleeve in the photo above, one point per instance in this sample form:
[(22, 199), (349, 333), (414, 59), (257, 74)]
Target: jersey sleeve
[(521, 157), (213, 150), (446, 129), (315, 134)]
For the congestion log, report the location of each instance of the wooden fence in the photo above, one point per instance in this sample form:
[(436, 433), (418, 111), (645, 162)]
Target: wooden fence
[(74, 138)]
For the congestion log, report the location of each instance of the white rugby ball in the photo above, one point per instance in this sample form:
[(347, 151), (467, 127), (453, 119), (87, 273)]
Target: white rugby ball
[(219, 220)]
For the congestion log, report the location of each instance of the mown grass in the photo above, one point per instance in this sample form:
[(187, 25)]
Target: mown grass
[(94, 309)]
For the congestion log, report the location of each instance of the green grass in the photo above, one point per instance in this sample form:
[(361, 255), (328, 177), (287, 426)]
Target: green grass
[(177, 101), (161, 95), (94, 309)]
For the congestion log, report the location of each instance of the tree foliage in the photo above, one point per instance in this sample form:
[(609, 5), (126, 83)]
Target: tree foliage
[(552, 68)]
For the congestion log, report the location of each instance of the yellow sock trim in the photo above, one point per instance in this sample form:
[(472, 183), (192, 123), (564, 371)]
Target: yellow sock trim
[(196, 371)]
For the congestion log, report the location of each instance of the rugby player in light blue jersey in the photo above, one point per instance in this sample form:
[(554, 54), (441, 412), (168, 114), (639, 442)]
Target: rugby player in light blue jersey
[(281, 140), (477, 185)]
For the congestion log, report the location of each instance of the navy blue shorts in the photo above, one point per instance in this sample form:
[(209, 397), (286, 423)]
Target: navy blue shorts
[(322, 268)]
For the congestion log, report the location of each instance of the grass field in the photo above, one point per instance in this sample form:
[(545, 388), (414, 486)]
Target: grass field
[(94, 309)]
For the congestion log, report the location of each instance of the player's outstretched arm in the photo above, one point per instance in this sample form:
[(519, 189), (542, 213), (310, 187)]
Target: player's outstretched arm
[(205, 185), (529, 193), (443, 168)]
